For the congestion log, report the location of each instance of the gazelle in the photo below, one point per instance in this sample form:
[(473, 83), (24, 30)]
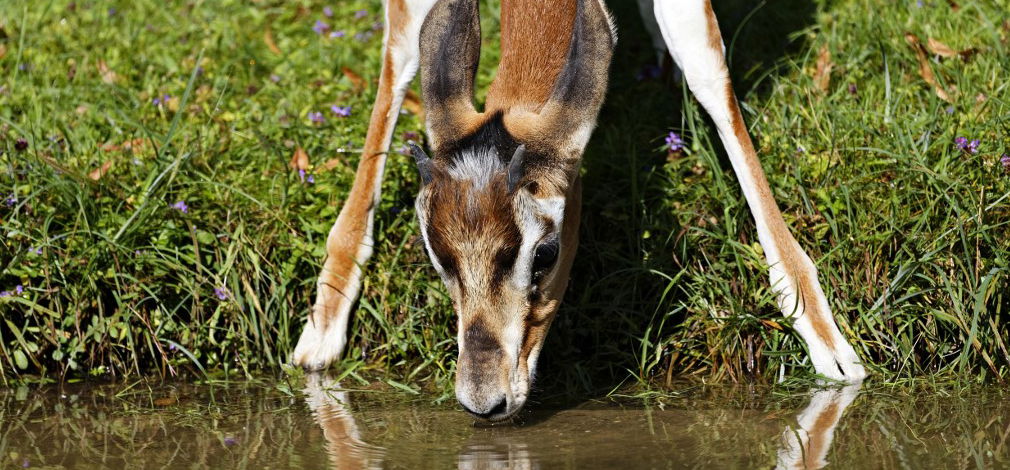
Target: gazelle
[(500, 200)]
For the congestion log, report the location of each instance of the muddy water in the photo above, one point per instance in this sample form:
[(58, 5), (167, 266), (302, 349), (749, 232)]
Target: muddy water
[(320, 425)]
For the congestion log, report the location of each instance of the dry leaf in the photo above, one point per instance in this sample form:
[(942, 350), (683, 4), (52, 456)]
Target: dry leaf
[(355, 79), (953, 5), (268, 37), (3, 51), (412, 103), (300, 159), (772, 324), (940, 48), (99, 172), (165, 401), (108, 75), (329, 165), (822, 76), (924, 70)]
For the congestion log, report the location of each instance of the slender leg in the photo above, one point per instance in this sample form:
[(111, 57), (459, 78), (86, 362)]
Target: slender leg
[(343, 440), (692, 35), (349, 244), (807, 446)]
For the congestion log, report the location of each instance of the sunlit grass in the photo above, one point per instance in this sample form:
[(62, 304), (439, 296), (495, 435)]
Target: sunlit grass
[(909, 232)]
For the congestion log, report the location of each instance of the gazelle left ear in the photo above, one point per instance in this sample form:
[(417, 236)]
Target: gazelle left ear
[(515, 171), (423, 163)]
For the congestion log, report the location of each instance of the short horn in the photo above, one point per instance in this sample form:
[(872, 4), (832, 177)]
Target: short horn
[(423, 163), (515, 170), (450, 52)]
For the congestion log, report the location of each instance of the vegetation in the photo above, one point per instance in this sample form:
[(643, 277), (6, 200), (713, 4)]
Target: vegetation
[(152, 222)]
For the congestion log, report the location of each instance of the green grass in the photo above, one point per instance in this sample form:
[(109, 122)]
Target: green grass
[(909, 233)]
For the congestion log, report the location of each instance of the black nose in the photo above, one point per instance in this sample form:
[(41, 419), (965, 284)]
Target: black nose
[(495, 410)]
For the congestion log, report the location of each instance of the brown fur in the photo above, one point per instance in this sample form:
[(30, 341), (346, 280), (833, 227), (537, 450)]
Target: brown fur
[(535, 35)]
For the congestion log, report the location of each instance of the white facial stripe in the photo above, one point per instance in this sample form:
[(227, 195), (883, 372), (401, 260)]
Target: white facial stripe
[(529, 216)]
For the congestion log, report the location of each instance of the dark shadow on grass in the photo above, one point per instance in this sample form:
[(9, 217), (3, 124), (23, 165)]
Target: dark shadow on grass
[(613, 296)]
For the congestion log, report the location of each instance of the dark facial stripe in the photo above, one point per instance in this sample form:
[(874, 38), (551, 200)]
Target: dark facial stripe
[(505, 260)]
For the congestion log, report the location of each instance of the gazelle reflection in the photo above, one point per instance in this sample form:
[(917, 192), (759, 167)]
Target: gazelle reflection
[(802, 445)]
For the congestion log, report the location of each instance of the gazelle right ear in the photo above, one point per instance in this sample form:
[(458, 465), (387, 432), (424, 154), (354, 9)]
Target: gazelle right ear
[(450, 51), (423, 163)]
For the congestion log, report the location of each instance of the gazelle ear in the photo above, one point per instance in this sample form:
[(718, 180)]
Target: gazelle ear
[(450, 51), (578, 92), (423, 163)]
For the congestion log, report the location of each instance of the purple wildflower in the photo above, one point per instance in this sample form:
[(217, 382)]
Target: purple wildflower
[(853, 89), (35, 250), (674, 143), (961, 143), (316, 117), (310, 179), (25, 463), (410, 136), (328, 12), (230, 441), (112, 12), (342, 111), (363, 36), (181, 207), (337, 34), (199, 70), (21, 145), (11, 200), (1005, 161), (949, 110), (171, 347), (221, 293), (19, 289), (648, 72), (320, 27), (360, 14), (801, 149), (275, 78), (973, 146), (22, 67)]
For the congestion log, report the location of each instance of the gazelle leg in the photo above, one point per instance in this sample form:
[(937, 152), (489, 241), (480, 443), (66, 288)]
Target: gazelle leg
[(692, 35), (807, 445), (349, 244)]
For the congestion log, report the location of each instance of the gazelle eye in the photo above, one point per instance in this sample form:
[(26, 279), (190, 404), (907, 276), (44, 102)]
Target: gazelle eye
[(545, 256)]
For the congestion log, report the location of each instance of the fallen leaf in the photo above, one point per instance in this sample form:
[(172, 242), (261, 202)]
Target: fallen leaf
[(165, 401), (268, 37), (355, 79), (953, 5), (940, 48), (822, 76), (108, 75), (300, 159), (772, 324), (99, 172), (329, 165), (924, 70), (412, 103)]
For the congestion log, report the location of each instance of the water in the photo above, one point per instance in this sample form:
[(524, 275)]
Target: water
[(320, 426)]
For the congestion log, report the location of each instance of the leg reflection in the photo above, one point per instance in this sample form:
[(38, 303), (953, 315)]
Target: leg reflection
[(496, 455), (343, 441), (806, 445)]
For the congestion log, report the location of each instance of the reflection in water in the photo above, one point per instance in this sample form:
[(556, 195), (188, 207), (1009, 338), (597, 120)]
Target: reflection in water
[(804, 445)]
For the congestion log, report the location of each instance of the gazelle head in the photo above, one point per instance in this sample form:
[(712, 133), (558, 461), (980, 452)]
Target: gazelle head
[(500, 198)]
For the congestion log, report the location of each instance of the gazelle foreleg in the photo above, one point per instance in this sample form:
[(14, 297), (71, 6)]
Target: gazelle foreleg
[(349, 244), (692, 34)]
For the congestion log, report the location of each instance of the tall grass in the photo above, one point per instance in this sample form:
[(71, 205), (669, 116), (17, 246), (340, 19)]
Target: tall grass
[(908, 231)]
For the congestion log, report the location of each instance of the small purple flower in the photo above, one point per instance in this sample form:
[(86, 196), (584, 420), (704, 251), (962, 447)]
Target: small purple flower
[(171, 347), (337, 34), (11, 200), (112, 12), (973, 146), (35, 250), (801, 149), (961, 143), (19, 289), (1005, 161), (342, 111), (310, 179), (363, 36), (853, 89), (275, 78), (22, 67), (404, 150), (316, 117), (949, 110), (181, 207), (320, 27), (328, 12), (199, 70), (673, 142), (360, 14), (221, 293), (156, 101), (21, 145), (230, 441)]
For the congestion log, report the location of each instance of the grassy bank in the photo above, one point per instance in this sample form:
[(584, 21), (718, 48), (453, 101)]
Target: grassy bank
[(154, 225)]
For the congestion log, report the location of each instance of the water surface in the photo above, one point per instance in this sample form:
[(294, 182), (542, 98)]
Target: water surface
[(321, 425)]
